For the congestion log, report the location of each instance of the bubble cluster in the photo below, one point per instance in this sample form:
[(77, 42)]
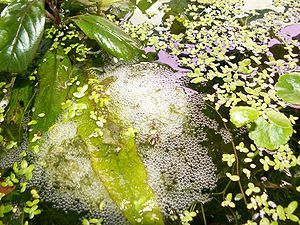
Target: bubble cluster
[(9, 157), (65, 177), (150, 97), (172, 132), (179, 171), (172, 140)]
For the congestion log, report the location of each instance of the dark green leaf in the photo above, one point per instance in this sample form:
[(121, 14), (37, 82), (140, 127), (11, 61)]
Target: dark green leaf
[(55, 71), (20, 100), (109, 36), (21, 29), (177, 7), (288, 88), (242, 115), (143, 5)]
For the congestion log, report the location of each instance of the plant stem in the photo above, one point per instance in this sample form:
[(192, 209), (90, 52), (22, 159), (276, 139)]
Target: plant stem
[(203, 214), (236, 159)]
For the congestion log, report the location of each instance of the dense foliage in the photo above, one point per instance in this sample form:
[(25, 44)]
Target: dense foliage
[(241, 55)]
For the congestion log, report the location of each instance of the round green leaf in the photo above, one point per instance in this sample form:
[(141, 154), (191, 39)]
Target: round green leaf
[(279, 119), (269, 135), (242, 115), (288, 88)]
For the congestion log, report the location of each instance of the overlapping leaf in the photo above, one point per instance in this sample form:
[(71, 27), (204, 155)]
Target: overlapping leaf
[(21, 29), (288, 88), (109, 36), (273, 133)]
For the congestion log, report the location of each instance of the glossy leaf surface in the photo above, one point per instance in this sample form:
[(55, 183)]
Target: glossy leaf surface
[(55, 71), (273, 133), (288, 88), (21, 29), (109, 36)]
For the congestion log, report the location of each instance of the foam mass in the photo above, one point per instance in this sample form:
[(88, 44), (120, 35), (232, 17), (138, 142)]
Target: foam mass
[(170, 137)]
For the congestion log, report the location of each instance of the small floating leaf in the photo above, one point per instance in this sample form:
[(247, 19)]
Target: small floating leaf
[(264, 221), (242, 115), (291, 207), (288, 88)]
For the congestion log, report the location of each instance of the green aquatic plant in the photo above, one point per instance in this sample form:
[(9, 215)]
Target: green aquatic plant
[(287, 88), (231, 55), (122, 143)]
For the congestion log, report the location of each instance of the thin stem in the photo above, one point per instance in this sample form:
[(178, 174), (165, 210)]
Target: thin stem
[(203, 214), (236, 160), (224, 190)]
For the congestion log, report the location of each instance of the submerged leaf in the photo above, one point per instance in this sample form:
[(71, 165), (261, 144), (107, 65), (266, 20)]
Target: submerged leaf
[(121, 170), (288, 88), (242, 115), (109, 36), (21, 29)]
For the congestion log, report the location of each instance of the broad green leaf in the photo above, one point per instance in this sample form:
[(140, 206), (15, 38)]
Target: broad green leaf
[(242, 115), (21, 29), (269, 135), (105, 3), (109, 36), (122, 172), (54, 72), (291, 207), (279, 119), (288, 88)]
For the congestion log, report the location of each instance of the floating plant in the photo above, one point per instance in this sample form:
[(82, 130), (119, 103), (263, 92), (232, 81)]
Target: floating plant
[(149, 112)]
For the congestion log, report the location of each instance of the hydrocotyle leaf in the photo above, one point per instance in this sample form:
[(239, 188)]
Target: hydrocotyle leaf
[(279, 119), (288, 88), (54, 72), (21, 29), (109, 36), (242, 115), (269, 135)]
